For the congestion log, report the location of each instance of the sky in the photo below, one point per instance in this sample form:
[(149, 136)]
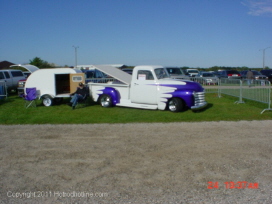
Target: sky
[(191, 33)]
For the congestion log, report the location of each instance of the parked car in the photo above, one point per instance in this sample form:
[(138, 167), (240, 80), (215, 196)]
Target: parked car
[(94, 76), (268, 73), (216, 73), (231, 74), (128, 70), (26, 74), (11, 77), (177, 73), (21, 83), (207, 78), (192, 72), (257, 75)]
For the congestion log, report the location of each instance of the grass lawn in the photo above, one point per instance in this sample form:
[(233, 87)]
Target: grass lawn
[(14, 112)]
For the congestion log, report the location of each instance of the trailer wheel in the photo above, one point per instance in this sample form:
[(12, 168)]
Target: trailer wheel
[(105, 101), (175, 105), (47, 101)]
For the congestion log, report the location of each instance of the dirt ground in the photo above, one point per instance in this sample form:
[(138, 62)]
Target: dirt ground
[(207, 162)]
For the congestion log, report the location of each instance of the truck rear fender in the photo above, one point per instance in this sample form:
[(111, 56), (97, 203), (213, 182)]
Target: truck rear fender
[(113, 93)]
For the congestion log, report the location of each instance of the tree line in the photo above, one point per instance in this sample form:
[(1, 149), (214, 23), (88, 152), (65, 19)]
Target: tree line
[(38, 62)]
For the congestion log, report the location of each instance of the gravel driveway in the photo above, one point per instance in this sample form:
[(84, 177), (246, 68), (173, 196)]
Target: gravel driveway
[(207, 162)]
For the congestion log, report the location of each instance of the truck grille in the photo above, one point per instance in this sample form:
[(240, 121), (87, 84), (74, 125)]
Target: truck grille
[(199, 98)]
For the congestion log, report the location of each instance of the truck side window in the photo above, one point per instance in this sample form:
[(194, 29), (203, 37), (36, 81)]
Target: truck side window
[(17, 73), (2, 75), (7, 75), (145, 75)]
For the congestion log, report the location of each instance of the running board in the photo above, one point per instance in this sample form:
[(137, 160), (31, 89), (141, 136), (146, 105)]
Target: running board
[(137, 105)]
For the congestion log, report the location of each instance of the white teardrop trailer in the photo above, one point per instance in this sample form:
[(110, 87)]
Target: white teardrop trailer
[(54, 84)]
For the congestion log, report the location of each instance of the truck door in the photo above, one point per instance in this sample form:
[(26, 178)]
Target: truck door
[(75, 79), (9, 81), (143, 88)]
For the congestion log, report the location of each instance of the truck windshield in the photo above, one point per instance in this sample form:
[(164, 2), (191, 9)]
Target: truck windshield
[(174, 71), (161, 73)]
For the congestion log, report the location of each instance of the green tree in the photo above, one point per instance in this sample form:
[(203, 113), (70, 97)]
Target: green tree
[(38, 62)]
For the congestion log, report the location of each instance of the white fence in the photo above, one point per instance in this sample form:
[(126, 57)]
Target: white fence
[(3, 90)]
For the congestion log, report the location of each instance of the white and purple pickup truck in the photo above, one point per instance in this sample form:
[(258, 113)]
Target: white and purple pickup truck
[(149, 87)]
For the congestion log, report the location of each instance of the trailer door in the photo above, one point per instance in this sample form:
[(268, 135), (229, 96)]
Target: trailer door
[(75, 79)]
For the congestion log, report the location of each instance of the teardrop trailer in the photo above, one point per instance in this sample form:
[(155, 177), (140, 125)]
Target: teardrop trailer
[(54, 84)]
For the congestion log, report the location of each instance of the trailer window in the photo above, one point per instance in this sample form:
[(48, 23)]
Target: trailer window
[(77, 78)]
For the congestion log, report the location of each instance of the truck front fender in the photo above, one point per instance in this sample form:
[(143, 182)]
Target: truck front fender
[(113, 93), (186, 96)]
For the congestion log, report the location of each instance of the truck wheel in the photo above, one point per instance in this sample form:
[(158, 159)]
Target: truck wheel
[(47, 101), (105, 101), (175, 105)]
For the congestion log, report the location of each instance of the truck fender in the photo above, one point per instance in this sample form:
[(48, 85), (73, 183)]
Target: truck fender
[(186, 96), (113, 93)]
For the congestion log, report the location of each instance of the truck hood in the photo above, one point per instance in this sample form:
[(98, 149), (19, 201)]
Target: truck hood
[(115, 73)]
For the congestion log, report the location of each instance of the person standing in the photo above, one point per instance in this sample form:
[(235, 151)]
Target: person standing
[(249, 77)]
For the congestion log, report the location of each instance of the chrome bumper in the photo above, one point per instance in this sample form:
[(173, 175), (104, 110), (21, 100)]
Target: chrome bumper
[(199, 106)]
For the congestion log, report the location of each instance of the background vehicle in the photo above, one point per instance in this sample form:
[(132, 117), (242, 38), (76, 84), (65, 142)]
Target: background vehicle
[(268, 73), (192, 72), (26, 74), (21, 83), (177, 73), (257, 75), (128, 70), (94, 76), (207, 78), (11, 77), (231, 74)]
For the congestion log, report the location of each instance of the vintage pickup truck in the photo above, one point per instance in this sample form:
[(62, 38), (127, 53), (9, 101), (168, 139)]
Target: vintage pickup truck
[(149, 87)]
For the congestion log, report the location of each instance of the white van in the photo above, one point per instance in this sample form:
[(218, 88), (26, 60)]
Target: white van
[(192, 72), (11, 77)]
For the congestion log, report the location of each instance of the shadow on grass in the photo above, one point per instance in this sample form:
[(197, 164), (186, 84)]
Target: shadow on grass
[(210, 105)]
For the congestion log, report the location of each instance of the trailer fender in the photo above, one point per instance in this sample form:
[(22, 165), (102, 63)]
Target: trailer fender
[(113, 93)]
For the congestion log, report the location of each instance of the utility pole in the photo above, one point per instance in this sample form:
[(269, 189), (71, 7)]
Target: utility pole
[(75, 55), (264, 56)]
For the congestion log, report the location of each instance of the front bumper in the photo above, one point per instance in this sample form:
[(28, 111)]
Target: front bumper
[(20, 91), (200, 102), (199, 106)]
